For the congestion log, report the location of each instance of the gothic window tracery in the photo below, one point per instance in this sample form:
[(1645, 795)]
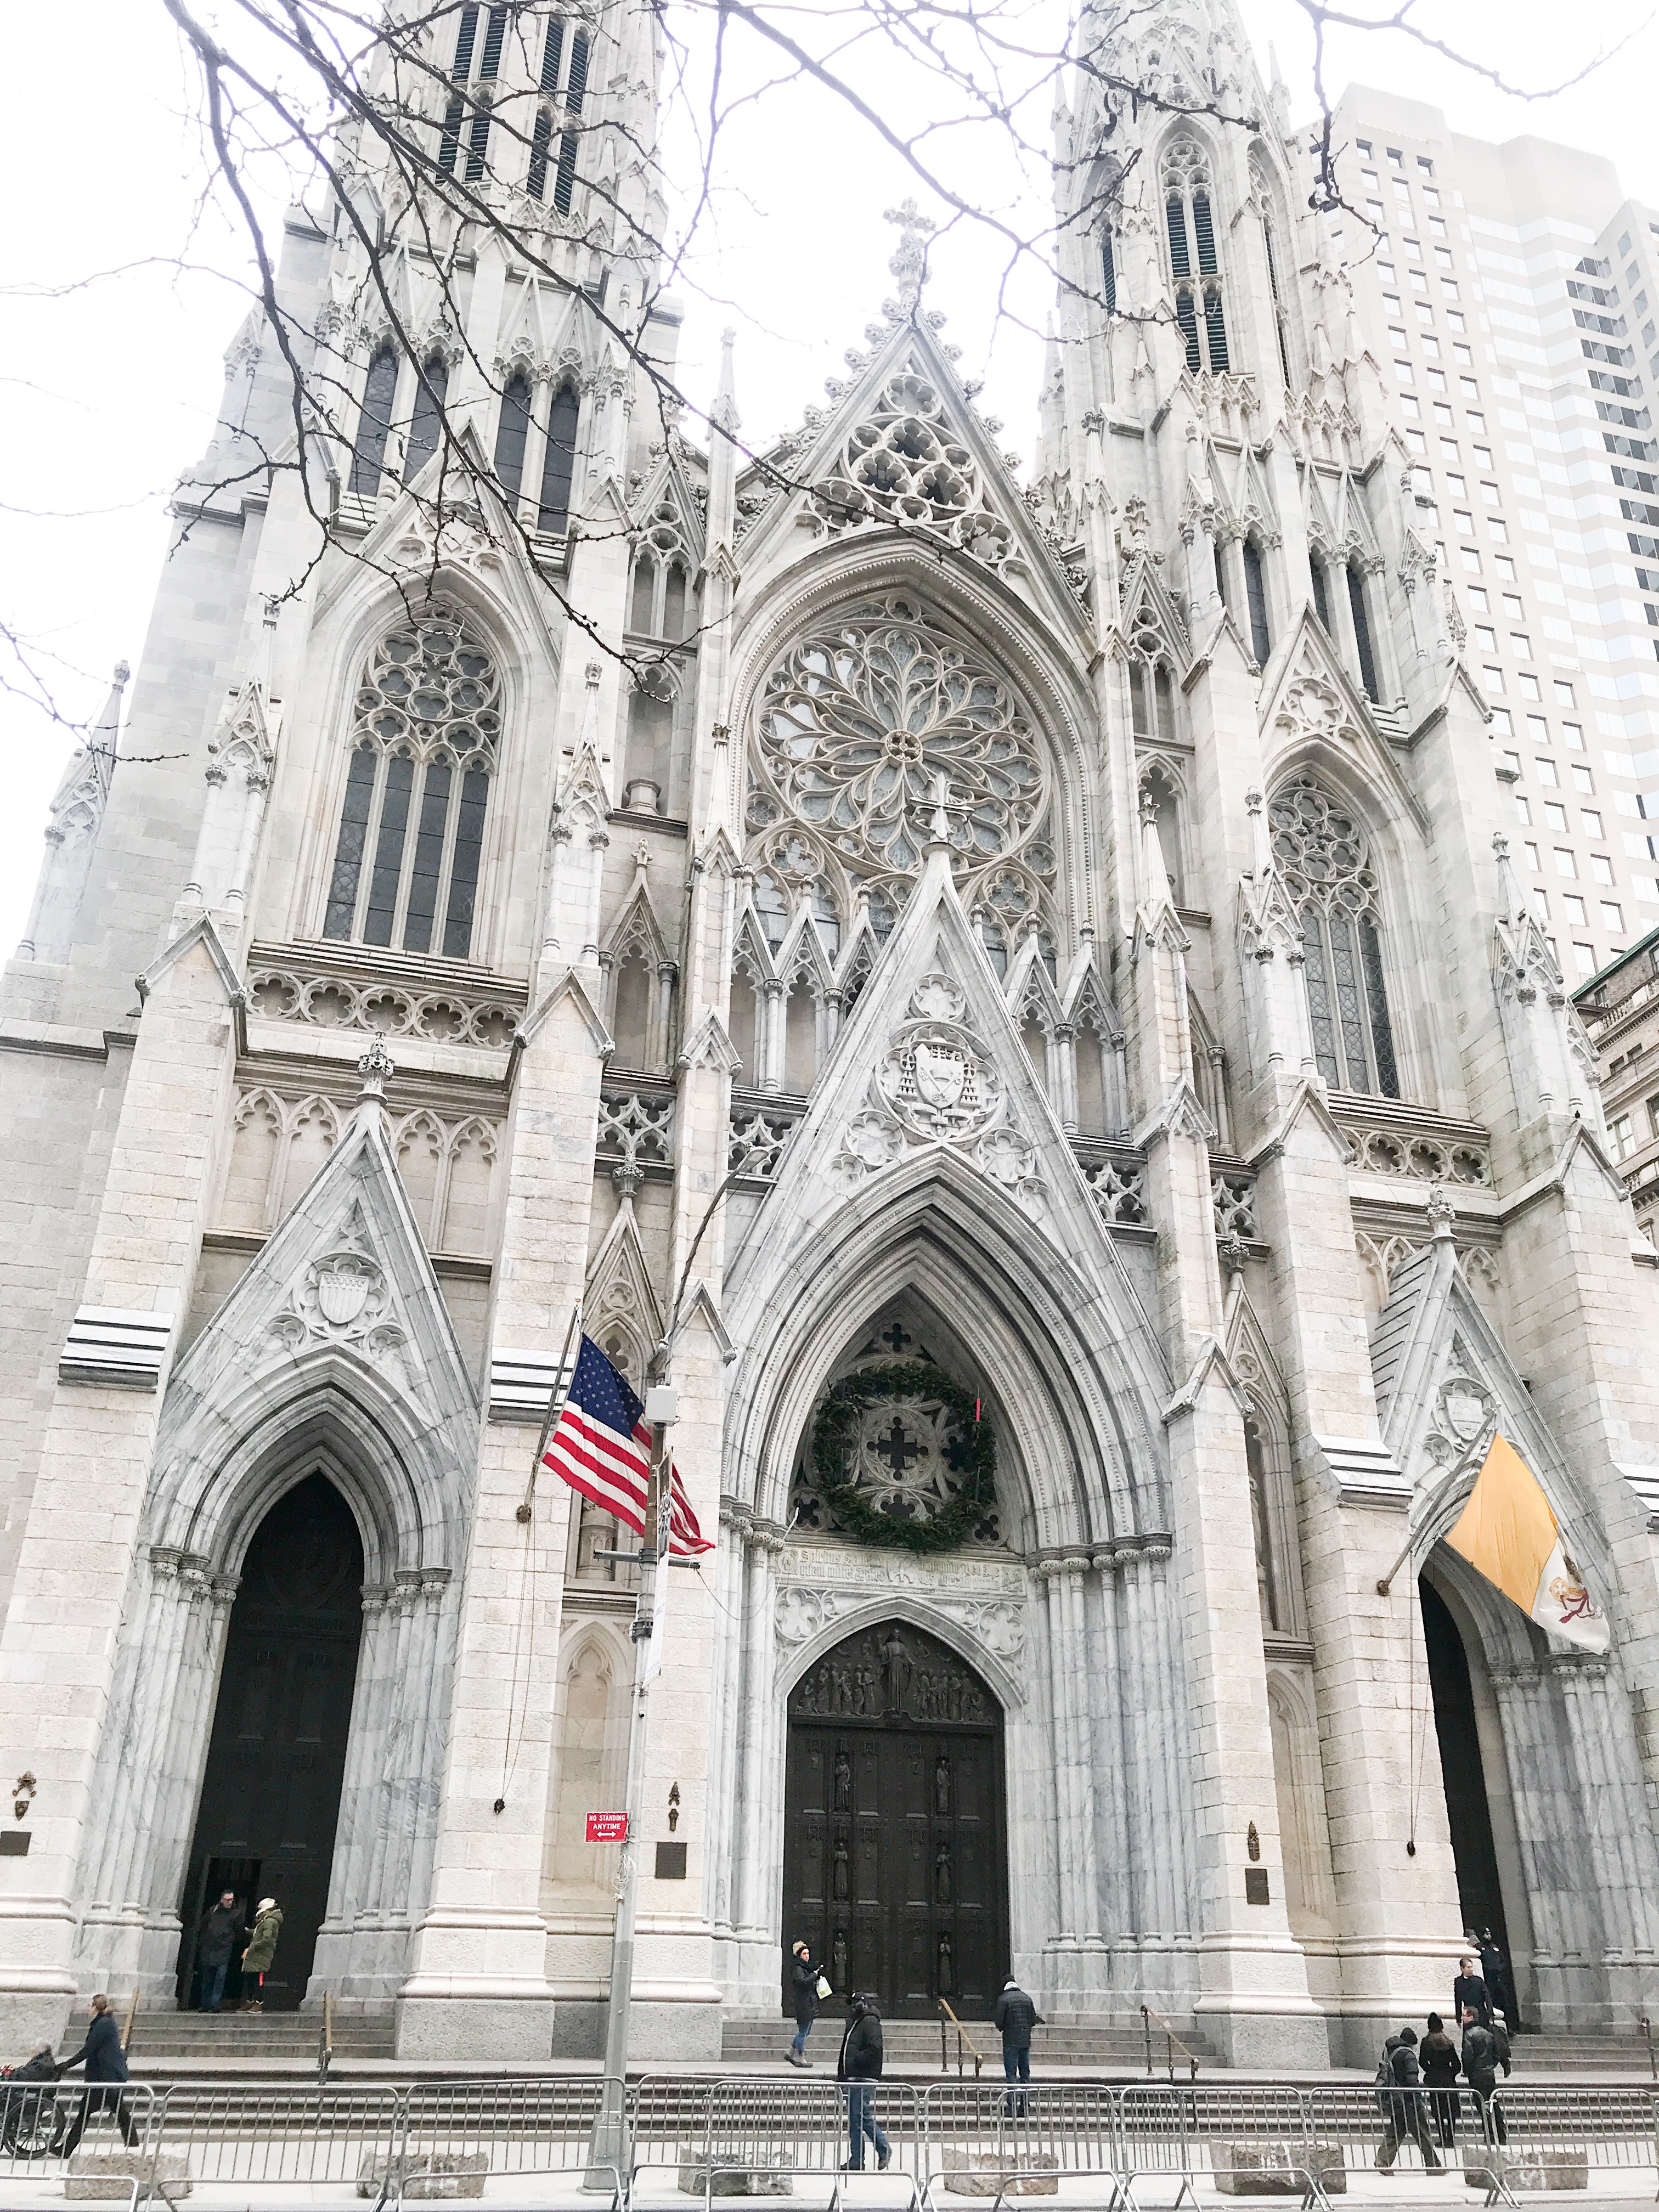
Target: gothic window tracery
[(423, 744), (862, 724), (1190, 224), (1151, 689), (1323, 857), (431, 389), (905, 462), (559, 467), (374, 423)]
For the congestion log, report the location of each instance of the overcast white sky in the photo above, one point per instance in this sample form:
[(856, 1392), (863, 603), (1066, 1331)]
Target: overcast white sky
[(110, 391)]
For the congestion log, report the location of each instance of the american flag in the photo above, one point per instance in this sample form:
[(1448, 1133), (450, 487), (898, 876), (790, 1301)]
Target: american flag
[(601, 1447)]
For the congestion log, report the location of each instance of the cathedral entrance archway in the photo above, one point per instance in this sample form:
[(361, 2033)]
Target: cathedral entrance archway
[(1462, 1766), (895, 1860), (270, 1797)]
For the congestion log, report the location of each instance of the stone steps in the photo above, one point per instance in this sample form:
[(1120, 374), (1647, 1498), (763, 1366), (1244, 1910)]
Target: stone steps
[(913, 2045), (244, 2035), (1580, 2051)]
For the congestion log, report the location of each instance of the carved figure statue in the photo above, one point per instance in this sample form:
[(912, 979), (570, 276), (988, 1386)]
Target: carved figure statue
[(897, 1670), (942, 1876), (942, 1785), (841, 1881), (842, 1798), (838, 1959)]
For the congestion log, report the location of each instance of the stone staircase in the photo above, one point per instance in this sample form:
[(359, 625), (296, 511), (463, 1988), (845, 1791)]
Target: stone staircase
[(1570, 2051), (912, 2047), (206, 2037)]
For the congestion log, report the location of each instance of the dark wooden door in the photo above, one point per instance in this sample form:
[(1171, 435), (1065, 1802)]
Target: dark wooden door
[(270, 1797), (895, 1866)]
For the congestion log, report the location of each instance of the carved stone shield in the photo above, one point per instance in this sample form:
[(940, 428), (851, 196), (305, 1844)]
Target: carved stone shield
[(941, 1075)]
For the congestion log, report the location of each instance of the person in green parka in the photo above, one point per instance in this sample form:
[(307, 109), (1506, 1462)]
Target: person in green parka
[(261, 1949)]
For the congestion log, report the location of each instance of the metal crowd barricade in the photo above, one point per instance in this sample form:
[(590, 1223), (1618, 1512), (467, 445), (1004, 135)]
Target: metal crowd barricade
[(257, 2136), (538, 2126), (706, 2129), (33, 2114), (976, 2132), (1248, 2138), (1540, 2137)]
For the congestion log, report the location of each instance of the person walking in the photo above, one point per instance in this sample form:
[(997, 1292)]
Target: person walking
[(104, 2062), (860, 2067), (1015, 2016), (1438, 2056), (804, 1979), (1485, 2049), (262, 1949), (1402, 2103), (215, 1939), (1470, 1989)]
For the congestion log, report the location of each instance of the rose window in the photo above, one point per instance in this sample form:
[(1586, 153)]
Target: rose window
[(863, 727)]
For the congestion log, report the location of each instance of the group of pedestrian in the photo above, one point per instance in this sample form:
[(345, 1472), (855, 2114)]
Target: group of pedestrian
[(217, 1940), (859, 2064), (1417, 2081)]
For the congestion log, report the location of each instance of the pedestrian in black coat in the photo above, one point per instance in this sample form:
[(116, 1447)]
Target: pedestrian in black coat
[(804, 1995), (1470, 1989), (1438, 2056), (105, 2063), (860, 2067), (1485, 2049), (1016, 2017)]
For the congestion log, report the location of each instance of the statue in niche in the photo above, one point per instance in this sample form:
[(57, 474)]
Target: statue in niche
[(942, 1878), (947, 1969), (840, 1889), (897, 1671), (942, 1787), (870, 1692), (842, 1799), (838, 1959)]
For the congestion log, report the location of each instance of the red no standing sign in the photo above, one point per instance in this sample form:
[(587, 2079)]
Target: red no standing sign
[(607, 1827)]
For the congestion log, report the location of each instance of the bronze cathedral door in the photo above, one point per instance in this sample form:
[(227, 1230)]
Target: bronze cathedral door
[(895, 1868)]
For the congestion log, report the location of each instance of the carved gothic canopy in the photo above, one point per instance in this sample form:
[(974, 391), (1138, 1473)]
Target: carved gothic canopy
[(862, 723)]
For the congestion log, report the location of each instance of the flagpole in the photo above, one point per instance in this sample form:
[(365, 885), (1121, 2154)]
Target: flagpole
[(607, 2150), (1460, 1467)]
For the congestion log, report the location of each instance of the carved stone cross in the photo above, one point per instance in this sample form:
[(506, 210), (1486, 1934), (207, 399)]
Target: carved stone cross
[(910, 262)]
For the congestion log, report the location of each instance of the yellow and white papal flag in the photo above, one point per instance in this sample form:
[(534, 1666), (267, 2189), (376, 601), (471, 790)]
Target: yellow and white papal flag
[(1507, 1532)]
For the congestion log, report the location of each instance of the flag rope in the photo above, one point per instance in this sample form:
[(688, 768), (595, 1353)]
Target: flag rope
[(529, 1571)]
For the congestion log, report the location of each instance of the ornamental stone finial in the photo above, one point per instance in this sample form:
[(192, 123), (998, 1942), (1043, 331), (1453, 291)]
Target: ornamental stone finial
[(910, 261), (1440, 1210), (377, 1068)]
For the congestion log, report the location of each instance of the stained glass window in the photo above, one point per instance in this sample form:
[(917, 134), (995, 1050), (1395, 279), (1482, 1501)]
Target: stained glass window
[(1323, 857), (411, 842)]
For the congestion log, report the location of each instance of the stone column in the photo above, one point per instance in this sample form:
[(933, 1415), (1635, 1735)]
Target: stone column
[(478, 1986), (77, 1564)]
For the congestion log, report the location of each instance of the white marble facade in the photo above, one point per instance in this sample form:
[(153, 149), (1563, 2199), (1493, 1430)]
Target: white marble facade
[(1174, 1061)]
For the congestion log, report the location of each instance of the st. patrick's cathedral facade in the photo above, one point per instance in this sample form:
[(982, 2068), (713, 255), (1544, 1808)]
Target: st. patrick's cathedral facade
[(1022, 982)]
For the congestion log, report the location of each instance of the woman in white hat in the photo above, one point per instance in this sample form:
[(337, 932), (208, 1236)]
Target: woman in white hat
[(261, 1949)]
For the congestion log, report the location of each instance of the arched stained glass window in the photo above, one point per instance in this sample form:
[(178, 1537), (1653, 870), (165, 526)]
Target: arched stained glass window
[(1324, 856), (560, 467), (410, 839), (1194, 264), (430, 392), (374, 423), (512, 433)]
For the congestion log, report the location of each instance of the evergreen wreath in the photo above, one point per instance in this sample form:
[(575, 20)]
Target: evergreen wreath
[(837, 1426)]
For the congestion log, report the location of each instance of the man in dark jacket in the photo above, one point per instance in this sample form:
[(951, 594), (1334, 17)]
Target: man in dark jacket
[(858, 2067), (104, 2062), (215, 1941), (803, 1994), (1499, 1978), (1469, 1990), (1402, 2103), (1485, 2049), (1015, 2016)]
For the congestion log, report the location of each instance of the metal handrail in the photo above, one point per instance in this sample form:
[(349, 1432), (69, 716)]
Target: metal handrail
[(1172, 2042), (326, 2038), (964, 2041), (1646, 2026)]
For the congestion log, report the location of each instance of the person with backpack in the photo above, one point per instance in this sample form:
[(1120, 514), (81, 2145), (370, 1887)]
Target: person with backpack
[(1485, 2049), (860, 2067), (1402, 2103), (105, 2063), (1438, 2056)]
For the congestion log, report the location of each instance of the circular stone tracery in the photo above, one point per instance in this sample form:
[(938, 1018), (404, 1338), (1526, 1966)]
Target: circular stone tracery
[(864, 721), (431, 690)]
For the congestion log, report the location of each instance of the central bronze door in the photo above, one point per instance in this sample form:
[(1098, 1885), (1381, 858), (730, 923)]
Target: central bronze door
[(894, 1865)]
